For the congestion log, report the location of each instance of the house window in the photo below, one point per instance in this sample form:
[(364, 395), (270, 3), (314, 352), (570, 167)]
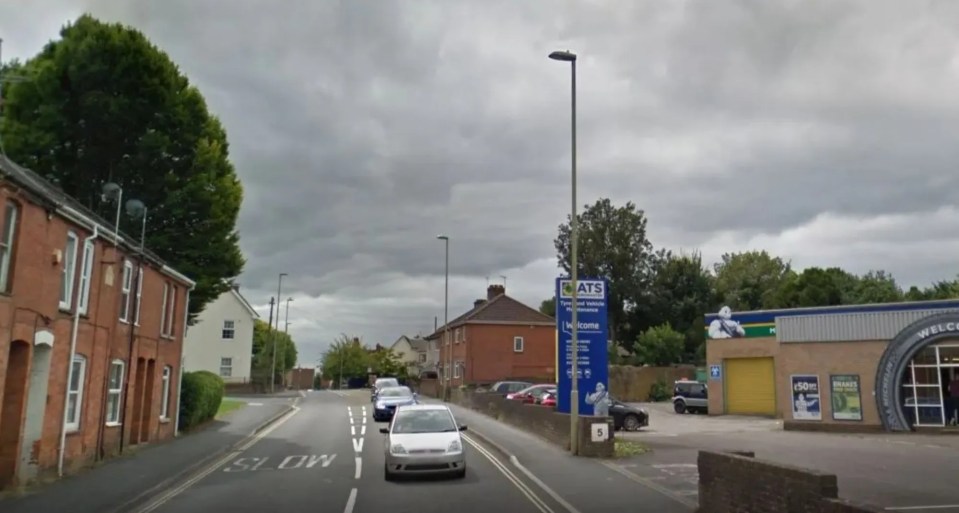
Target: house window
[(163, 312), (165, 398), (422, 357), (136, 316), (86, 274), (456, 335), (226, 367), (125, 288), (6, 244), (75, 393), (114, 392), (228, 330), (456, 370), (69, 271), (518, 344), (169, 310)]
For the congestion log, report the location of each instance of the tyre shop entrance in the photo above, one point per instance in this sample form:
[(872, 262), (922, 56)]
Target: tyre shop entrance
[(750, 386)]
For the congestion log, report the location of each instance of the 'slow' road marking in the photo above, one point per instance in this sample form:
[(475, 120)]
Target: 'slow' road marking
[(166, 497)]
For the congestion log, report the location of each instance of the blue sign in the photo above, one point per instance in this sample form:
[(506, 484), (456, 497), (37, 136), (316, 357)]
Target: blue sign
[(714, 372), (593, 361)]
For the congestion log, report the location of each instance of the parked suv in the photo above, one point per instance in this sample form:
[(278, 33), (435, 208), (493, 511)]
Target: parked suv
[(690, 396)]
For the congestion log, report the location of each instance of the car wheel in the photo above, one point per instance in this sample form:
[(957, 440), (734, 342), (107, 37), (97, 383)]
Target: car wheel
[(631, 423), (679, 407), (387, 475)]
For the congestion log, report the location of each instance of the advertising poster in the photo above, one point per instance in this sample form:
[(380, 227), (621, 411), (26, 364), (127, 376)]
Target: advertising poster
[(805, 397), (846, 397)]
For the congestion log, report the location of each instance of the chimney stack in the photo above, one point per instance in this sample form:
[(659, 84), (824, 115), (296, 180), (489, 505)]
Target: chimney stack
[(494, 290), (478, 302)]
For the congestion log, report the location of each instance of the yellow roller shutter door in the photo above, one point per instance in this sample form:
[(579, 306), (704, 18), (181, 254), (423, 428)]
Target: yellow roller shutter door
[(750, 386)]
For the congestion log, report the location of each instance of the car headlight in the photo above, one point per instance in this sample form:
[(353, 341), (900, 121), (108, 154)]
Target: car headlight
[(455, 446), (380, 406), (397, 449)]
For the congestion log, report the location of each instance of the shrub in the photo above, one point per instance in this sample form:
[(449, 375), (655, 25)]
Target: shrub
[(200, 398), (659, 391)]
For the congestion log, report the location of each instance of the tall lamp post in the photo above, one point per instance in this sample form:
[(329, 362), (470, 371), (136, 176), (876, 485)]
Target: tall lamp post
[(446, 320), (567, 56), (286, 330), (279, 288)]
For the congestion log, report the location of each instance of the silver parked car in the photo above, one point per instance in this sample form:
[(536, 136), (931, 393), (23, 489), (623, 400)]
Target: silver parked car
[(424, 439)]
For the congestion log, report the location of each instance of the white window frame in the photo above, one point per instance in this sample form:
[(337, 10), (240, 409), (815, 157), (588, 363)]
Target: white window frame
[(519, 345), (231, 330), (113, 415), (456, 335), (11, 213), (139, 295), (76, 395), (165, 397), (86, 277), (69, 273), (457, 367), (170, 317), (230, 366), (126, 286), (163, 312)]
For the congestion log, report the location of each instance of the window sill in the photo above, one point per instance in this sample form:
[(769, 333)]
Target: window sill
[(164, 420), (124, 321), (70, 430), (113, 424)]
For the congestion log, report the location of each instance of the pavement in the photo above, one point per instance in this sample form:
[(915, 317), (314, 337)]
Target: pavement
[(907, 472), (149, 468)]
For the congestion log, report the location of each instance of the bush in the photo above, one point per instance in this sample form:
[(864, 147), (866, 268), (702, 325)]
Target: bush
[(659, 391), (200, 398)]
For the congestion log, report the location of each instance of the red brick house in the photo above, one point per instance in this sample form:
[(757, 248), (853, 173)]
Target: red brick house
[(498, 339), (70, 294)]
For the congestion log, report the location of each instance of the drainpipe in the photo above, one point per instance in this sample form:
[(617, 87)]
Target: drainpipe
[(179, 388), (73, 350)]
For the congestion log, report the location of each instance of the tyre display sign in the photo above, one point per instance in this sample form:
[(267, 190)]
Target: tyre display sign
[(806, 404), (846, 398)]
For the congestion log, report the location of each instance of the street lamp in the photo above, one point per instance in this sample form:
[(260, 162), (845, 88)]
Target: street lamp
[(446, 319), (286, 328), (135, 209), (279, 288), (567, 56), (113, 192)]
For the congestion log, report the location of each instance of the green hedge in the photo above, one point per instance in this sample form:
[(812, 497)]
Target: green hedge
[(200, 398)]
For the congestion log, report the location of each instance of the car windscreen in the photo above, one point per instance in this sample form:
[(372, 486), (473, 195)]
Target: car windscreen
[(380, 383), (423, 421), (395, 392)]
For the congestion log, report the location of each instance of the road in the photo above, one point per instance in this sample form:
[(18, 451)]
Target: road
[(327, 456)]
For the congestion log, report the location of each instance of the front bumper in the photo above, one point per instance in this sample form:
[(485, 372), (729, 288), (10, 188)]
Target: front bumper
[(384, 413), (440, 463)]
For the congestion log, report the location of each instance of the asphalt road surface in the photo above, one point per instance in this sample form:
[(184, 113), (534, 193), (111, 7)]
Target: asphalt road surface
[(327, 457)]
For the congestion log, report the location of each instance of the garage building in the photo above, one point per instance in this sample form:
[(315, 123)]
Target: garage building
[(891, 367)]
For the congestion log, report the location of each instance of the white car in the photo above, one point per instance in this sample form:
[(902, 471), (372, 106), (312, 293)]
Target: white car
[(424, 439)]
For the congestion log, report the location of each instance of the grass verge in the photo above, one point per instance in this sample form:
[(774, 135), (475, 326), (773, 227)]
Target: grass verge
[(626, 449), (227, 406)]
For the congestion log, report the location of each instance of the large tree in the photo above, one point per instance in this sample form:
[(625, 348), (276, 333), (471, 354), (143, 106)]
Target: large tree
[(264, 338), (750, 280), (612, 245), (105, 105), (346, 358)]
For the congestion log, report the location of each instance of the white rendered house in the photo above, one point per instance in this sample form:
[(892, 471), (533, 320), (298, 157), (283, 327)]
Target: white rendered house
[(221, 340)]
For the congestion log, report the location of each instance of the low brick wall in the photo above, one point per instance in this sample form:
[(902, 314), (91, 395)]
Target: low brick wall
[(734, 482), (429, 387), (831, 427), (540, 420), (632, 384)]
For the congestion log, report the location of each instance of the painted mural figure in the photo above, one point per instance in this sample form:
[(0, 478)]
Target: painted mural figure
[(724, 326), (600, 401)]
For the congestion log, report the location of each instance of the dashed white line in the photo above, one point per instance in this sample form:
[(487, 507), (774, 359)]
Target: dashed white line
[(364, 419), (350, 502), (351, 421), (363, 430), (359, 468)]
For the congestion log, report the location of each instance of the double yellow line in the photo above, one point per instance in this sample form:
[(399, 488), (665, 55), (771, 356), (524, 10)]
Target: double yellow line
[(525, 490)]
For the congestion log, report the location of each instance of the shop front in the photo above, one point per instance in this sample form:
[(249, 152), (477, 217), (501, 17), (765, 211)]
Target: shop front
[(891, 367)]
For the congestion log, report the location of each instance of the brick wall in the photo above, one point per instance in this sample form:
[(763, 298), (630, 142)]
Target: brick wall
[(632, 384), (540, 420), (734, 482)]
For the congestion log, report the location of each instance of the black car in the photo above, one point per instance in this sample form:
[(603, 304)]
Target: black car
[(508, 387), (626, 417), (690, 396)]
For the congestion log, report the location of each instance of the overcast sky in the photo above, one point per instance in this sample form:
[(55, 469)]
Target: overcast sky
[(824, 132)]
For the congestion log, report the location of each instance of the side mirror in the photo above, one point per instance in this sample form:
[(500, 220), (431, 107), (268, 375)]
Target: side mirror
[(385, 431), (463, 427)]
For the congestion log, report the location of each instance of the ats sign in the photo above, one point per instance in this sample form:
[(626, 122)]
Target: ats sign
[(586, 289)]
